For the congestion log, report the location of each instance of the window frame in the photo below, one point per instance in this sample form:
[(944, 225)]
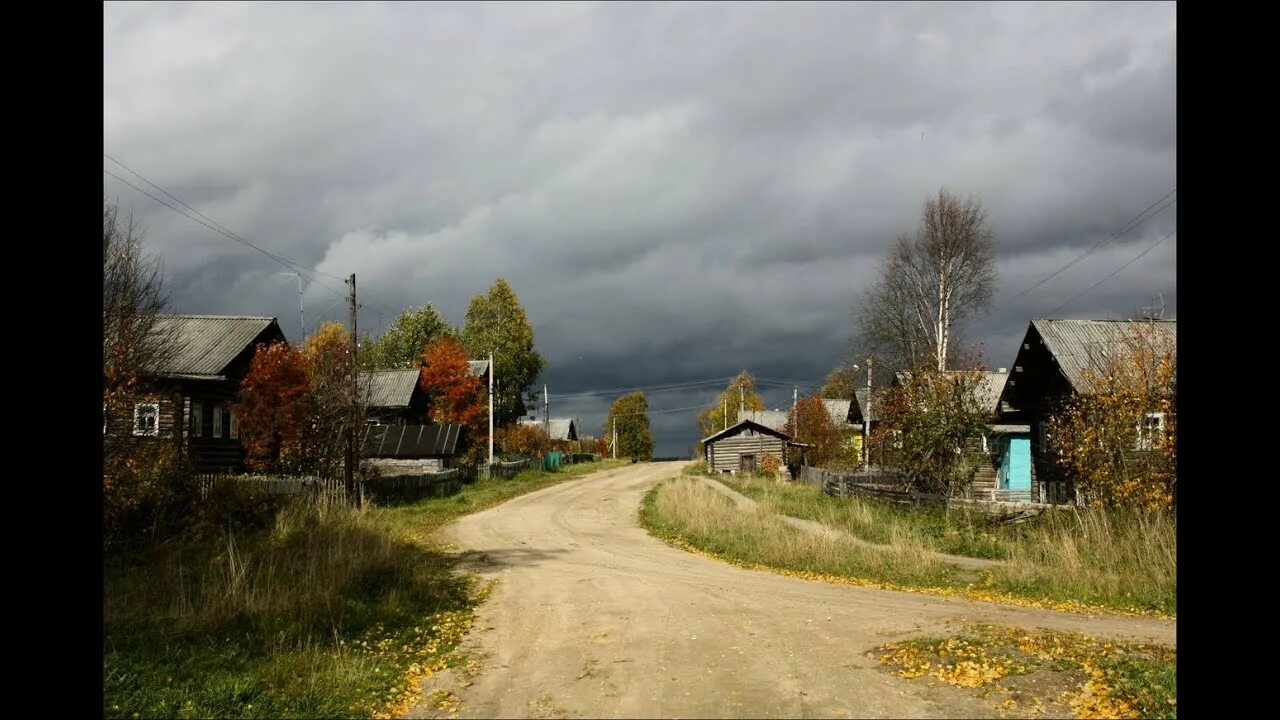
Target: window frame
[(233, 425), (217, 421), (1150, 436), (197, 418), (138, 431)]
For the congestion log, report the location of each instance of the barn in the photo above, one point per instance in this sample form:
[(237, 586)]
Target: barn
[(741, 447)]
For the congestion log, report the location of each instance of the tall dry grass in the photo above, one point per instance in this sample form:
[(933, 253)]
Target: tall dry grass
[(690, 511), (1114, 558), (1120, 558)]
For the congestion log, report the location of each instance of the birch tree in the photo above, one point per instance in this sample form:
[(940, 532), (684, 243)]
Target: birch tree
[(931, 283)]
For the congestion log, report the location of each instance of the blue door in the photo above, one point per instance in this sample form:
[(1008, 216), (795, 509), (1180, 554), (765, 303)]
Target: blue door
[(1015, 467)]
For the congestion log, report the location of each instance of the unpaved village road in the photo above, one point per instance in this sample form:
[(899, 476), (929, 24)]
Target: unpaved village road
[(592, 617)]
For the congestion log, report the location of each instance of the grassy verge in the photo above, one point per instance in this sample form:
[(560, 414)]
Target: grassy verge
[(327, 612), (1044, 672), (421, 518), (1090, 561)]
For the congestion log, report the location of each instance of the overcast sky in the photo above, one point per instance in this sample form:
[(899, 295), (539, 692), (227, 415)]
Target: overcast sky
[(676, 191)]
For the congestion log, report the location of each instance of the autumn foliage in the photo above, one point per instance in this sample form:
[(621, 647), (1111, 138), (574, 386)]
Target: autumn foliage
[(811, 424), (523, 440), (456, 396), (274, 407), (1117, 441), (770, 464)]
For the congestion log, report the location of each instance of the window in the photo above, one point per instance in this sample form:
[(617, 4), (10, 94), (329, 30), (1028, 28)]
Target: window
[(197, 419), (146, 419), (217, 421), (104, 418), (1151, 431), (234, 424), (1044, 438)]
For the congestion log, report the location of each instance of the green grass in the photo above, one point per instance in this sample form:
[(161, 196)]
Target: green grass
[(327, 612), (421, 518), (1116, 560)]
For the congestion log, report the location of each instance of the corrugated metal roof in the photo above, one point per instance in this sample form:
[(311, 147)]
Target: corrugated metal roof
[(775, 419), (988, 389), (389, 388), (409, 441), (203, 345), (561, 428), (1075, 343), (733, 429)]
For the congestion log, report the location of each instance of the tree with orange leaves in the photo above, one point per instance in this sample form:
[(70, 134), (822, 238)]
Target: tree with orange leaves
[(274, 407), (456, 396), (811, 424)]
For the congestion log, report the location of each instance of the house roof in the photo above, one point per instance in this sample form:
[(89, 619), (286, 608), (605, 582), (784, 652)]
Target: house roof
[(858, 411), (204, 345), (745, 424), (562, 428), (988, 390), (389, 388), (839, 410), (409, 441), (1074, 343), (775, 419)]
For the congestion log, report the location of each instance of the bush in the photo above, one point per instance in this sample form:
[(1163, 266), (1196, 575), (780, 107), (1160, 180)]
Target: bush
[(146, 496)]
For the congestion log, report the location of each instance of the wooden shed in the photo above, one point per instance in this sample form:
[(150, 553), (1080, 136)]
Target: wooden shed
[(739, 448)]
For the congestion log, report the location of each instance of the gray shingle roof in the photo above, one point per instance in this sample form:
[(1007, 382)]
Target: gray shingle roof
[(988, 390), (1076, 343), (561, 428), (389, 388), (203, 345)]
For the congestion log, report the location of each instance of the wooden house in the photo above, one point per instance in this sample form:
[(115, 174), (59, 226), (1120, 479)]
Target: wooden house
[(186, 399), (1050, 368), (741, 447)]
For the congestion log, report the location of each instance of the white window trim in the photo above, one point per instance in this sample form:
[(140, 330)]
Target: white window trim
[(985, 447), (197, 419), (1149, 438), (217, 421), (137, 414), (233, 430)]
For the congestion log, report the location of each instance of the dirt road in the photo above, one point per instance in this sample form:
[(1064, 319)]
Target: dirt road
[(592, 617)]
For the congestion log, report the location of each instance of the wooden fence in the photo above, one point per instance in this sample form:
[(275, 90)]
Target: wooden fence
[(384, 488)]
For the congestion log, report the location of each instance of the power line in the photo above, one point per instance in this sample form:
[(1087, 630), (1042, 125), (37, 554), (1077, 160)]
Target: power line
[(221, 229), (1113, 273), (1134, 222), (284, 261)]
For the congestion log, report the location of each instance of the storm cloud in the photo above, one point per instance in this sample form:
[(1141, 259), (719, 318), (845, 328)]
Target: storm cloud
[(676, 191)]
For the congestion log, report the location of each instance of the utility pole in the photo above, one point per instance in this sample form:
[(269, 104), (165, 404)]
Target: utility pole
[(353, 492), (866, 423), (490, 409), (615, 438), (742, 395), (546, 409), (724, 410), (795, 425)]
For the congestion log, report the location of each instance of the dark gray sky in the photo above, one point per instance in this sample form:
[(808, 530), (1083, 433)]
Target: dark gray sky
[(676, 191)]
